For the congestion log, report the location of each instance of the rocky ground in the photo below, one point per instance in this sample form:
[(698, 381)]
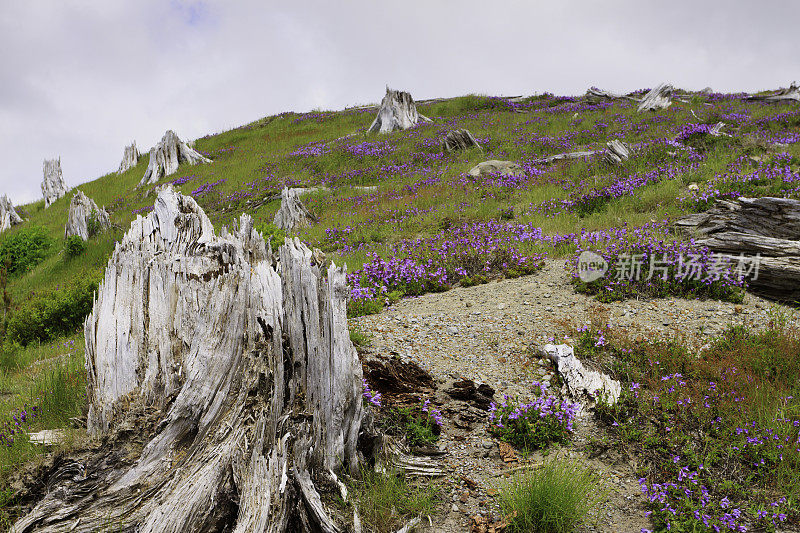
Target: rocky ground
[(489, 334)]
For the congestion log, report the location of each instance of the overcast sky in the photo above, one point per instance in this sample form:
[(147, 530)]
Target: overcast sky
[(81, 79)]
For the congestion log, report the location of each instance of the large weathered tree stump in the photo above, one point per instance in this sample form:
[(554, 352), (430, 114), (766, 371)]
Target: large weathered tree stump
[(292, 213), (397, 112), (766, 226), (659, 97), (8, 215), (228, 395), (130, 158), (85, 218), (167, 155), (53, 186)]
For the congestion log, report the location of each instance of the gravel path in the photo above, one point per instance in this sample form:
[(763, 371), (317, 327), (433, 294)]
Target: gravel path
[(488, 333)]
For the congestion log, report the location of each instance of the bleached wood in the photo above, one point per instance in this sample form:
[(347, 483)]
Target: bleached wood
[(292, 214), (8, 215), (595, 96), (397, 112), (659, 97), (53, 186), (81, 210), (581, 383), (166, 156), (130, 158), (235, 372), (767, 226), (781, 95), (460, 139), (615, 152)]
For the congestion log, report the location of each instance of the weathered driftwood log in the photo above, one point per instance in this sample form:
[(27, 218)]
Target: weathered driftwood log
[(53, 186), (292, 213), (615, 153), (8, 215), (228, 395), (458, 140), (584, 385), (494, 166), (167, 155), (85, 218), (659, 97), (792, 93), (398, 112), (595, 96), (130, 158), (766, 226)]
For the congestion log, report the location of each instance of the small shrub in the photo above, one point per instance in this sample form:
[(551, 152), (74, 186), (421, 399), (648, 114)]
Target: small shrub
[(23, 250), (61, 392), (93, 226), (358, 338), (420, 424), (274, 235), (74, 246), (554, 498), (53, 313), (533, 425)]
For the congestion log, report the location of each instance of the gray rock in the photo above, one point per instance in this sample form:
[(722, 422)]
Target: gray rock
[(494, 166)]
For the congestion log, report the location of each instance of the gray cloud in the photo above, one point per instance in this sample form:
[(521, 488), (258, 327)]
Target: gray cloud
[(81, 79)]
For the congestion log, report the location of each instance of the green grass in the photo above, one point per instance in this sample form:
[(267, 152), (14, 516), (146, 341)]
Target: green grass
[(553, 498), (385, 502)]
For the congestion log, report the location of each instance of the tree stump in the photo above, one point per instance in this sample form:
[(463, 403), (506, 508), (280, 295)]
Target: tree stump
[(397, 112), (130, 158), (582, 384), (53, 186), (228, 395), (166, 156), (292, 213), (458, 140), (659, 97), (8, 215), (85, 218), (781, 95), (767, 226)]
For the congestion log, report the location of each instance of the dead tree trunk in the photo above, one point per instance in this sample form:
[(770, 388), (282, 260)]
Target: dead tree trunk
[(596, 96), (659, 97), (85, 218), (615, 152), (766, 226), (292, 213), (166, 156), (8, 215), (398, 112), (781, 95), (228, 395), (53, 186), (130, 158), (458, 140)]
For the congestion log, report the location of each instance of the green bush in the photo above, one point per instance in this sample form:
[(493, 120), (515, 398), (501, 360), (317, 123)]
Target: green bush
[(74, 246), (50, 314), (274, 235), (421, 424), (553, 498), (386, 501), (25, 249)]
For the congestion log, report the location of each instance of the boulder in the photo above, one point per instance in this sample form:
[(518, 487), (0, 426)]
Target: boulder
[(292, 213), (53, 186), (167, 155), (397, 112), (458, 140), (506, 168), (130, 158), (8, 215), (85, 218), (222, 387)]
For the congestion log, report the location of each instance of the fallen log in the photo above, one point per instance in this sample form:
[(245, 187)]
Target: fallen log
[(767, 228), (166, 156), (615, 153), (228, 396), (781, 95), (596, 96)]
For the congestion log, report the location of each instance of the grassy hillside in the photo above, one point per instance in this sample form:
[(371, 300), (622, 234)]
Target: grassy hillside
[(429, 225)]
